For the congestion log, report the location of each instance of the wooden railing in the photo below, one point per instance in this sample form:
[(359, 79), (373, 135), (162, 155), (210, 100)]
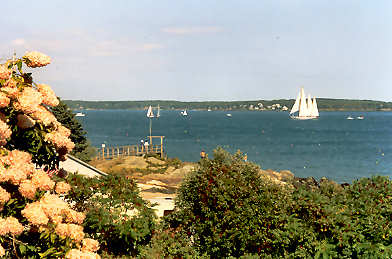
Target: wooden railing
[(111, 152)]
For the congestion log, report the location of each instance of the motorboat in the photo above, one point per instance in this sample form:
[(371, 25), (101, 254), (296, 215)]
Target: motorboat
[(80, 114)]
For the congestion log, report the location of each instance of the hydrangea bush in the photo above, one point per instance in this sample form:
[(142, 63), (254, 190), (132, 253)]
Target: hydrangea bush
[(35, 220)]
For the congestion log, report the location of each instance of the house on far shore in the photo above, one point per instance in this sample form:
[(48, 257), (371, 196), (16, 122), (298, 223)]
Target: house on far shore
[(74, 165)]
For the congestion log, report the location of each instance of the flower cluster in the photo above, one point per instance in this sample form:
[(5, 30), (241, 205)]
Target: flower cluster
[(5, 73), (77, 254), (62, 188), (36, 59), (28, 100), (11, 226), (49, 97), (62, 143), (5, 133), (73, 231)]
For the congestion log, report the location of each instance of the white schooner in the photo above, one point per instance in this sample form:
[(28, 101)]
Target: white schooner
[(306, 107)]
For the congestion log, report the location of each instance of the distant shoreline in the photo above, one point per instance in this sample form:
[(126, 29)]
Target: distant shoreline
[(256, 105)]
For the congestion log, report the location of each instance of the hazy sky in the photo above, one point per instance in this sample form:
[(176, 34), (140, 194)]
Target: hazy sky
[(205, 50)]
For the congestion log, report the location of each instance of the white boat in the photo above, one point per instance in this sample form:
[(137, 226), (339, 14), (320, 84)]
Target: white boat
[(158, 112), (360, 117), (228, 115), (150, 114), (209, 109), (304, 108), (80, 114), (349, 118), (184, 113)]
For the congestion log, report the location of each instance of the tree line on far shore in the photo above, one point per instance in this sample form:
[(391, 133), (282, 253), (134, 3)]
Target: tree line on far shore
[(323, 104)]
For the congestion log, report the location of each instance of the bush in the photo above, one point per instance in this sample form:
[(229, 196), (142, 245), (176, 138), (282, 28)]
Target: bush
[(229, 210), (170, 243), (116, 215)]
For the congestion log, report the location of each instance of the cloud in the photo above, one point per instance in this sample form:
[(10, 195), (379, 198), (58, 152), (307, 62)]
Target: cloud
[(18, 42), (192, 30), (151, 46)]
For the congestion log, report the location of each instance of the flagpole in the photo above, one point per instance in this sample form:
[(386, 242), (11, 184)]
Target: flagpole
[(150, 127)]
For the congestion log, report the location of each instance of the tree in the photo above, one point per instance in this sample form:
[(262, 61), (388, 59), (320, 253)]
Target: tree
[(82, 150)]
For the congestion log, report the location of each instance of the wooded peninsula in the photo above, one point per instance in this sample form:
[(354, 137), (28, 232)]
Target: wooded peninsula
[(324, 104)]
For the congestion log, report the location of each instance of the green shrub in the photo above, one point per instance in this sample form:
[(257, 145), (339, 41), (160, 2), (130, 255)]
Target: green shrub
[(106, 201), (229, 210), (170, 243)]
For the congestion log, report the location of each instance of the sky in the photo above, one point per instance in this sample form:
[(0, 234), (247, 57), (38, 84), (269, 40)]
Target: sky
[(207, 50)]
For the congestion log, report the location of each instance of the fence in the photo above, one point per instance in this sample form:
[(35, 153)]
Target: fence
[(111, 152)]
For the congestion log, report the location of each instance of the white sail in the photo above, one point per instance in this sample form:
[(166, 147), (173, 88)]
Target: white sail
[(310, 106), (306, 107), (303, 106), (295, 107), (184, 113), (150, 114), (158, 112), (315, 109)]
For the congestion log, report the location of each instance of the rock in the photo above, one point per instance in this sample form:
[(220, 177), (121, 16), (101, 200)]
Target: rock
[(183, 170), (170, 169), (155, 161), (286, 175), (135, 162), (155, 182), (308, 182)]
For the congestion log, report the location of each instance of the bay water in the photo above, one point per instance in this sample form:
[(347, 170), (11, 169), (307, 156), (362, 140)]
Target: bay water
[(331, 146)]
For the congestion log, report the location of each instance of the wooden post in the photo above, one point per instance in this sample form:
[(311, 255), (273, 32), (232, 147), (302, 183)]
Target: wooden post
[(103, 153), (161, 146), (118, 151)]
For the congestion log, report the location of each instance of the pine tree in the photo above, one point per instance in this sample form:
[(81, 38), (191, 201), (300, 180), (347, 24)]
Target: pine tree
[(82, 150)]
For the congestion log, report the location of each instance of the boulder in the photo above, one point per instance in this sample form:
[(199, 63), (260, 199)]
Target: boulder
[(286, 175), (155, 161)]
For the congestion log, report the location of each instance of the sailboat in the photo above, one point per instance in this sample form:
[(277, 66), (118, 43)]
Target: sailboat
[(184, 113), (150, 114), (306, 107), (158, 112)]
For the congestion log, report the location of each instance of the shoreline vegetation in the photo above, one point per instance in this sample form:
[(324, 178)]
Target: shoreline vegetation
[(226, 207), (324, 104)]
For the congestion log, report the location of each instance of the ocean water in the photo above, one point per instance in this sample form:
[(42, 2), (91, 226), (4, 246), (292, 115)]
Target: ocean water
[(332, 146)]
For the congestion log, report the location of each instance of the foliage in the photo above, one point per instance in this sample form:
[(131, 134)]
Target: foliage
[(34, 221), (170, 243), (115, 213), (82, 150), (225, 206), (229, 210), (175, 162)]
